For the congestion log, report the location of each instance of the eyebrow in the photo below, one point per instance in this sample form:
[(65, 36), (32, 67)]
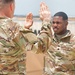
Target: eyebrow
[(57, 22)]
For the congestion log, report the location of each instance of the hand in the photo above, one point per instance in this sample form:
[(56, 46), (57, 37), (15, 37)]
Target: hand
[(29, 21), (45, 14)]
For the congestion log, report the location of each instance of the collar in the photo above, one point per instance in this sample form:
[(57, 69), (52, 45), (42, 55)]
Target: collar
[(61, 37)]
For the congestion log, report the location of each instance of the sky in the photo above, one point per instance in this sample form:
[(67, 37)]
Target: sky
[(25, 6)]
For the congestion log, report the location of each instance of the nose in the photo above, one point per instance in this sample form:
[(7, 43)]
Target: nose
[(54, 24)]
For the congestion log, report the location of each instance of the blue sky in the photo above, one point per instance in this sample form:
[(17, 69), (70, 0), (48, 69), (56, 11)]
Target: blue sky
[(25, 6)]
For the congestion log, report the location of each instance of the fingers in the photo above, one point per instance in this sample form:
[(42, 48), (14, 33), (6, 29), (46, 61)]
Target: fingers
[(43, 7), (28, 20), (44, 11), (29, 16)]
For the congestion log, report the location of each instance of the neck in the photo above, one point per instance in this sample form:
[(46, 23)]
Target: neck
[(63, 32)]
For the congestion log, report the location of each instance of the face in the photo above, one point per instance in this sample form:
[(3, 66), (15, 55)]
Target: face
[(59, 25)]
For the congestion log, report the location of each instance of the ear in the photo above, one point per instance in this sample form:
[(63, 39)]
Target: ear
[(11, 6), (66, 22)]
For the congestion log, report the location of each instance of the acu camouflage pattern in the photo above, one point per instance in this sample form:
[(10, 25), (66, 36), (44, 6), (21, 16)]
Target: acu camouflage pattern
[(59, 53), (60, 59), (12, 48)]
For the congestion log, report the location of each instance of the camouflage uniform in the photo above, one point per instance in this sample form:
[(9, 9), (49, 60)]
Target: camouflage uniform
[(13, 46), (59, 52)]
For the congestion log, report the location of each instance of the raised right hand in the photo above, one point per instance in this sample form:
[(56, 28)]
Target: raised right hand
[(45, 14), (28, 20)]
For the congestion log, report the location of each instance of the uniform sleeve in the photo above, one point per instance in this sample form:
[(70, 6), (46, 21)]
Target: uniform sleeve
[(40, 43), (43, 39), (46, 28), (17, 36)]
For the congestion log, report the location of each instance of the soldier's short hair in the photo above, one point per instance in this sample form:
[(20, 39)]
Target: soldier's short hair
[(6, 1), (3, 2), (62, 14)]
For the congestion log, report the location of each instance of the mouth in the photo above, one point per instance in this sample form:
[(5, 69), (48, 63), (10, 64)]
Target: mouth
[(55, 29)]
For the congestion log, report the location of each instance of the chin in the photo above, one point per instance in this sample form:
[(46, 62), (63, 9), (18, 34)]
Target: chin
[(56, 32)]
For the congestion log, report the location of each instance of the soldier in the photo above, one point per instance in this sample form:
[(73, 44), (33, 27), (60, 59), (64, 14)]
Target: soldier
[(59, 47), (13, 44)]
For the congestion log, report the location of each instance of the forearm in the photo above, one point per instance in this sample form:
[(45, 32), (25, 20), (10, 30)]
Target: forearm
[(41, 42), (46, 28)]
